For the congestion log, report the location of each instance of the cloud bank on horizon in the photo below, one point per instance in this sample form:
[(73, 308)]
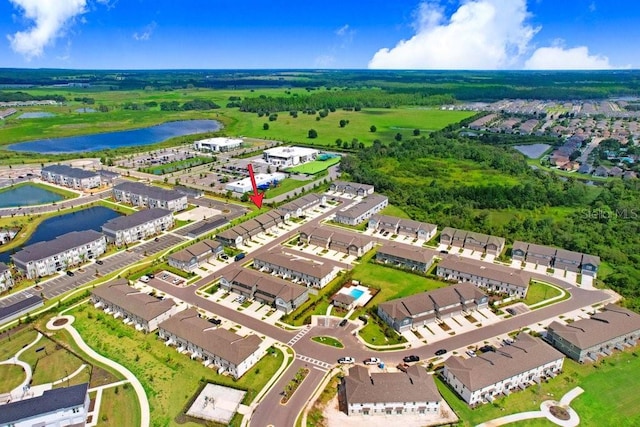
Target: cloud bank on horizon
[(49, 20), (480, 34)]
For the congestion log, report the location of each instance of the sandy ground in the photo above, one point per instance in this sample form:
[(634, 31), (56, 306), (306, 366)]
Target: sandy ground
[(198, 214)]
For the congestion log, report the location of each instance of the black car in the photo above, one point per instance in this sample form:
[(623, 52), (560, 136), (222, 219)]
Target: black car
[(511, 311), (215, 321), (441, 352), (99, 262), (70, 273), (487, 348), (343, 322), (411, 358)]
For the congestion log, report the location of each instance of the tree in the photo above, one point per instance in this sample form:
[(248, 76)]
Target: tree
[(343, 123), (265, 126), (398, 137), (373, 128), (313, 133), (244, 198), (339, 142), (416, 132)]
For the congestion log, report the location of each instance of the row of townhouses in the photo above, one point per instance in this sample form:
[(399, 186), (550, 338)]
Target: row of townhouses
[(402, 227), (351, 188), (139, 194), (551, 257), (406, 257), (278, 293), (331, 238), (362, 210), (489, 276), (296, 269), (479, 242), (191, 257)]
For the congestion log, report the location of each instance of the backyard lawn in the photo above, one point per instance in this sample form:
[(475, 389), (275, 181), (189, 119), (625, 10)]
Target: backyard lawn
[(118, 407), (539, 292), (611, 394)]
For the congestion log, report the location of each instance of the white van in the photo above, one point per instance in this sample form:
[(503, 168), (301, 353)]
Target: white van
[(144, 279)]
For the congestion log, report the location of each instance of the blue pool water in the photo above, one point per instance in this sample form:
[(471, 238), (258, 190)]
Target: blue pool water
[(125, 138), (356, 293)]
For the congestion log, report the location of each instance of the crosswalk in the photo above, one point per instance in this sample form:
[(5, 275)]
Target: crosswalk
[(324, 365), (299, 335)]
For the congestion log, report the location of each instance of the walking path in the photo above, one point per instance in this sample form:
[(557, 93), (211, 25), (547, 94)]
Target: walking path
[(20, 391), (544, 412), (145, 413)]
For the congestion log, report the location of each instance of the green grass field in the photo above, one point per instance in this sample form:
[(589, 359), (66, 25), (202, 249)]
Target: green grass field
[(315, 167), (610, 397), (392, 210), (539, 292), (177, 166), (284, 186), (118, 408), (330, 341), (11, 376)]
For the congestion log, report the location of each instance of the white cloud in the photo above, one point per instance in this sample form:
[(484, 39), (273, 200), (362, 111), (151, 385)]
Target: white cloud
[(480, 34), (146, 32), (49, 19), (559, 58)]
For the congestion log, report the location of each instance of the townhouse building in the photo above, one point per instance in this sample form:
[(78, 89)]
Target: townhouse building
[(403, 227), (354, 189), (139, 194), (191, 257), (68, 250), (362, 211), (6, 279), (334, 239), (67, 176), (302, 271), (405, 256), (556, 258), (477, 242), (137, 226)]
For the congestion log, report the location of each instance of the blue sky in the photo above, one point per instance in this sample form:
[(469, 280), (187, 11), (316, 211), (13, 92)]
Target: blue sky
[(396, 34)]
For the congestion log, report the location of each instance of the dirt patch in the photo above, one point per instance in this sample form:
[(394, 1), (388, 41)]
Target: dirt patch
[(559, 413), (60, 322), (100, 377)]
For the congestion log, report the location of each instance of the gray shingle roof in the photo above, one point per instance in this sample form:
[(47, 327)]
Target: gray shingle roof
[(487, 270), (69, 171), (196, 250), (491, 367), (149, 191), (60, 244), (301, 266), (137, 218), (51, 401), (612, 322), (363, 206), (3, 267), (266, 285), (218, 341), (132, 300), (408, 252)]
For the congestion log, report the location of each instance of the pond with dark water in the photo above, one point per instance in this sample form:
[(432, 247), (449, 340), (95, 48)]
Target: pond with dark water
[(27, 195), (125, 138), (86, 219)]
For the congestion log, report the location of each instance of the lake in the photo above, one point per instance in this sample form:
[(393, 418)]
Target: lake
[(87, 219), (27, 195), (125, 138), (35, 115)]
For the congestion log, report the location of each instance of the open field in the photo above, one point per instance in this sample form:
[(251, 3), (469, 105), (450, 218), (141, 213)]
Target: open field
[(610, 396), (285, 186), (118, 407), (392, 210), (315, 166), (169, 378), (177, 166), (539, 292), (11, 376)]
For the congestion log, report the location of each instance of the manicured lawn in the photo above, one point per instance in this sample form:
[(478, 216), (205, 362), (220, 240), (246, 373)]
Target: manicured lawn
[(374, 334), (610, 396), (392, 210), (315, 167), (118, 407), (285, 186), (15, 341), (539, 292), (177, 166), (168, 377), (51, 363), (11, 376), (330, 341)]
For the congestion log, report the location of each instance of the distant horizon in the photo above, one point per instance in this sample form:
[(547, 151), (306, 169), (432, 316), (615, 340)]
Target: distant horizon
[(258, 35)]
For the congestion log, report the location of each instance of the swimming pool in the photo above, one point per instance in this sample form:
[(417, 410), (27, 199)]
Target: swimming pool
[(356, 293)]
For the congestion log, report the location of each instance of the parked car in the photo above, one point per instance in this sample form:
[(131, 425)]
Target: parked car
[(347, 360), (224, 257), (471, 353), (372, 361), (69, 273), (444, 252), (507, 341), (215, 321), (511, 311), (343, 322), (99, 262), (402, 367), (487, 348), (412, 358), (440, 352), (240, 256)]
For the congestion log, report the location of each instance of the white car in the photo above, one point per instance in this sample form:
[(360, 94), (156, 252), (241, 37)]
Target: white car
[(346, 360), (372, 361)]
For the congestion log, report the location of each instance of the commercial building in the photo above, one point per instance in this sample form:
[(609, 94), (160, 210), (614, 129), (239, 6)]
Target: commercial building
[(263, 180), (337, 240), (551, 257), (45, 258), (65, 406), (420, 309), (402, 227), (351, 188), (362, 211), (190, 258), (6, 281), (588, 339), (481, 379), (136, 308), (226, 350), (284, 157), (138, 194), (67, 176), (137, 226), (278, 293), (405, 256), (489, 276), (218, 144), (390, 393), (296, 269), (477, 242)]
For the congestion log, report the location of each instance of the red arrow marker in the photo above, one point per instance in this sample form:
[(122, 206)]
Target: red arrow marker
[(256, 197)]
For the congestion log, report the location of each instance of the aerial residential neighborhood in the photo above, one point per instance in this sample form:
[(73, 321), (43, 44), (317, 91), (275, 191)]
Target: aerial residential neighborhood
[(410, 213)]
